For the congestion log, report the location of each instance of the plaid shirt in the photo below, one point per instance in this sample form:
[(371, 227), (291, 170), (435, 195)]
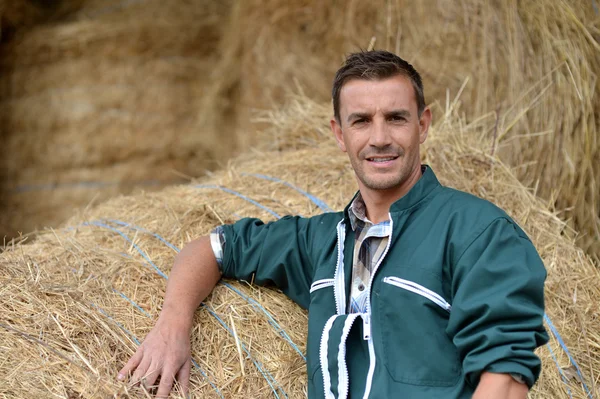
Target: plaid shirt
[(370, 242)]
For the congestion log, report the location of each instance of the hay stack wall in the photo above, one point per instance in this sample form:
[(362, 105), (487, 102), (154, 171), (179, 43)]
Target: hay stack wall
[(104, 96), (78, 300), (531, 65)]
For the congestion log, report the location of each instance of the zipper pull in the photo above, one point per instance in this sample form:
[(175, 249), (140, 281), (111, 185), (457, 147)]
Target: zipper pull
[(366, 326)]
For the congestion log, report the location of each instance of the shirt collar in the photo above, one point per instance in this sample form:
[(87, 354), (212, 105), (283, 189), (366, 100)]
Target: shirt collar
[(356, 210)]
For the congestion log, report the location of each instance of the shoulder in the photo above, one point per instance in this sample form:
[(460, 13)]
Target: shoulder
[(470, 208), (465, 217)]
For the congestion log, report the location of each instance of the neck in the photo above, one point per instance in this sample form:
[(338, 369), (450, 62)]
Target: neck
[(378, 202)]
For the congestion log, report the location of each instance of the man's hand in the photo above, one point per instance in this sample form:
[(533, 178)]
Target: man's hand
[(166, 353), (166, 350), (499, 386)]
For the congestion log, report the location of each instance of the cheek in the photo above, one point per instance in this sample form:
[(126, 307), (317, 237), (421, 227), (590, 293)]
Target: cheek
[(353, 144)]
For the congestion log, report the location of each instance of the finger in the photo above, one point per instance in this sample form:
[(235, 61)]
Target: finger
[(152, 374), (141, 370), (131, 364), (166, 383), (183, 377)]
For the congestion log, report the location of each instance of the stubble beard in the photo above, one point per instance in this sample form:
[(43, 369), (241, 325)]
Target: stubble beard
[(374, 182)]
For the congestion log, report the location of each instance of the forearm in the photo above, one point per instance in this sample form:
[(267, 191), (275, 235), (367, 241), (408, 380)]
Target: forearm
[(194, 274), (499, 386)]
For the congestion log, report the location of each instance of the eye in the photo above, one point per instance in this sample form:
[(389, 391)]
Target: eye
[(360, 121), (398, 118)]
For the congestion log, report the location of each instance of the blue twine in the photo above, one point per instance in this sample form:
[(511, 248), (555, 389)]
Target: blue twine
[(266, 374), (196, 365), (133, 337), (143, 230), (131, 301), (137, 341), (272, 321), (99, 224), (571, 359), (251, 301), (117, 323), (321, 204), (242, 196), (215, 388), (560, 371)]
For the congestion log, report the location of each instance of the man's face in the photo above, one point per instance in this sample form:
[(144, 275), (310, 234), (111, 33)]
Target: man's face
[(381, 131)]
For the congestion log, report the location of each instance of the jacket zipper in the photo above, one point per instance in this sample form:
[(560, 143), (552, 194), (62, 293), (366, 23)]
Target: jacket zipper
[(323, 283), (419, 289), (337, 293), (367, 319)]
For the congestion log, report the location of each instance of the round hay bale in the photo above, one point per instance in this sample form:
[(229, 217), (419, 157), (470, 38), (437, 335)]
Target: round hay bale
[(77, 300)]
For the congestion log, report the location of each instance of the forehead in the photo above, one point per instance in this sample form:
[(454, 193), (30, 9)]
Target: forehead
[(360, 95)]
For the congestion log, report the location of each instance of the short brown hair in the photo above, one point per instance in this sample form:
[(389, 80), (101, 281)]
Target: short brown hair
[(375, 65)]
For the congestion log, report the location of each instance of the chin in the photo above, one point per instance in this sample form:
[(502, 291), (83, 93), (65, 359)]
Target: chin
[(383, 185)]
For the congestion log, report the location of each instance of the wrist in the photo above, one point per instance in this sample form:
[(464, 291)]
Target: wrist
[(176, 318)]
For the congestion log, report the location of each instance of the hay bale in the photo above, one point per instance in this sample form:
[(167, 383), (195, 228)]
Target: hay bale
[(70, 322), (17, 14), (531, 65), (108, 93), (534, 58)]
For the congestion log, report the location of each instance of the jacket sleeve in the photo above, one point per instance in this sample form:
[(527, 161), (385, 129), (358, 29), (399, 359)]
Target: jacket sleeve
[(273, 253), (498, 304)]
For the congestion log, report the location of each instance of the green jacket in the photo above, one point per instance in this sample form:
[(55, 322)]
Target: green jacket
[(458, 291)]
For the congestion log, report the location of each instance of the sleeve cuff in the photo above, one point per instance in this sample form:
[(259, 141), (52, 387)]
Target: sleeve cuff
[(519, 372), (217, 243)]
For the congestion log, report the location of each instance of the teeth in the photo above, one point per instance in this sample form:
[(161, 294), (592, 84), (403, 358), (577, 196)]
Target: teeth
[(381, 159)]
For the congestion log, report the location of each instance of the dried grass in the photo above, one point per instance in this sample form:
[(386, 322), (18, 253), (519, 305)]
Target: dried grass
[(120, 71), (65, 331), (532, 64), (108, 93)]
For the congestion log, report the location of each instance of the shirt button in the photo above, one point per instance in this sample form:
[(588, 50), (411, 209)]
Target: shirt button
[(361, 287)]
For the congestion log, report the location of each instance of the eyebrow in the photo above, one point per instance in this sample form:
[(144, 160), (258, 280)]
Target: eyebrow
[(403, 113), (358, 115)]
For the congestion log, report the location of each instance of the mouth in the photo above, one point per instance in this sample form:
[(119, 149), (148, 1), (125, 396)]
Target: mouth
[(382, 159)]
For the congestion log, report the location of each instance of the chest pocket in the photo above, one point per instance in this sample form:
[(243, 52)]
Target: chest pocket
[(413, 320)]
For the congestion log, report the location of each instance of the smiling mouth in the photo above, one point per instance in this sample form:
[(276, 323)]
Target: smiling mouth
[(382, 159)]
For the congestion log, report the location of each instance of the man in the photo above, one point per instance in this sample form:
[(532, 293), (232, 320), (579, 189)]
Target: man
[(415, 290)]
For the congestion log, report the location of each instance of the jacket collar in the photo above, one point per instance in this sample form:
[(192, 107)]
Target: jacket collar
[(424, 186)]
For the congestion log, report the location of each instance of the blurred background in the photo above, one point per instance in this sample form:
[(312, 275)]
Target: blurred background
[(103, 97)]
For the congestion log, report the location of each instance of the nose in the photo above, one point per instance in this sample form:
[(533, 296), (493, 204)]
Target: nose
[(380, 134)]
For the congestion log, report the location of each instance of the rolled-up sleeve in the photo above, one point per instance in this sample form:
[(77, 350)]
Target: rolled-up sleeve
[(217, 243), (498, 304)]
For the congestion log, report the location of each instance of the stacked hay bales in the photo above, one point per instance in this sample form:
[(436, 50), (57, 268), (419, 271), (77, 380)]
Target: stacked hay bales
[(15, 15), (104, 96), (530, 65), (77, 298)]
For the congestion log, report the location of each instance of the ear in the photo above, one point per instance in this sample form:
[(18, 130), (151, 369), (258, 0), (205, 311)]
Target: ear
[(336, 128), (424, 123)]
